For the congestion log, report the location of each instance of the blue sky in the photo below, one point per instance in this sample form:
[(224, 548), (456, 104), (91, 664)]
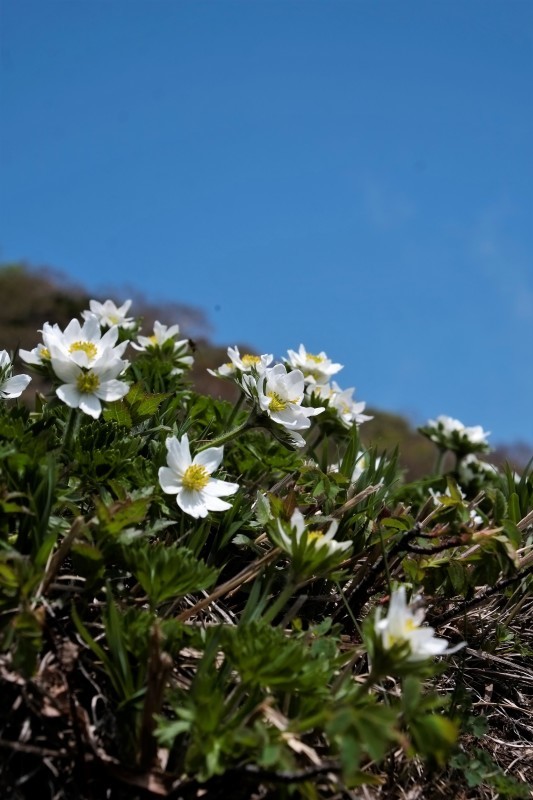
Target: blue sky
[(356, 176)]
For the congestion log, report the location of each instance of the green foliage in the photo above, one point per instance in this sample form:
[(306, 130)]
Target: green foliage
[(238, 640)]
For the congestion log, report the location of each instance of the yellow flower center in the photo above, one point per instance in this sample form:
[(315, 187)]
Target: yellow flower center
[(87, 382), (153, 338), (88, 348), (114, 319), (249, 360), (277, 403), (316, 359), (196, 477), (44, 352), (313, 534)]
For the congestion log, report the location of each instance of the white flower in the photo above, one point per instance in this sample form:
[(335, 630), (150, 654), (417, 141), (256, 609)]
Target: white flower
[(82, 344), (342, 401), (472, 467), (315, 368), (40, 354), (246, 363), (85, 388), (109, 314), (451, 433), (280, 394), (10, 387), (161, 334), (190, 479), (443, 500), (402, 626), (323, 544)]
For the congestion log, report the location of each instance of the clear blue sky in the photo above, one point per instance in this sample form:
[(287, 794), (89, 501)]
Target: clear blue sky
[(356, 176)]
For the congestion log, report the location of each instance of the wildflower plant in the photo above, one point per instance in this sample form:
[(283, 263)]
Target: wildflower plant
[(197, 596)]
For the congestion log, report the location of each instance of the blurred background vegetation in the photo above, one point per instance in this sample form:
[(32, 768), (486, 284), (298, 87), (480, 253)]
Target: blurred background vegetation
[(34, 295)]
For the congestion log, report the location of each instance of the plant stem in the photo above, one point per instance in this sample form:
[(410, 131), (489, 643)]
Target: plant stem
[(438, 463), (227, 437), (70, 425), (280, 601), (235, 410)]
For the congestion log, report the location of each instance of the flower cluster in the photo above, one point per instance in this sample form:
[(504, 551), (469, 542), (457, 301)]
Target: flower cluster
[(317, 371), (86, 363), (450, 434), (403, 626), (237, 365), (164, 339), (109, 314), (11, 386), (311, 550), (279, 395), (455, 498)]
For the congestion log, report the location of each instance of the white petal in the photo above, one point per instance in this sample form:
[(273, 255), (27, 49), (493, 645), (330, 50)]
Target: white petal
[(215, 504), (179, 455), (168, 481), (30, 356), (14, 387), (192, 503), (216, 488), (90, 405), (210, 458), (112, 390), (69, 394), (65, 369)]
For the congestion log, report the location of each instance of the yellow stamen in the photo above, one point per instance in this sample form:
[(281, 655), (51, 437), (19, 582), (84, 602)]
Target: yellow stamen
[(313, 534), (44, 352), (316, 359), (87, 382), (277, 403), (88, 348), (196, 477), (249, 360)]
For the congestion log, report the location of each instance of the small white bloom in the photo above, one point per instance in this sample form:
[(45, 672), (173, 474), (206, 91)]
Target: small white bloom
[(451, 433), (108, 314), (323, 544), (342, 401), (441, 500), (162, 333), (82, 344), (247, 363), (40, 354), (190, 478), (280, 394), (471, 467), (84, 388), (402, 625), (315, 368), (10, 387)]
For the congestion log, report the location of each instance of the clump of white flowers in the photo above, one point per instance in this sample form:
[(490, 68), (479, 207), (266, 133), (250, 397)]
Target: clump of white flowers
[(312, 551), (165, 338), (279, 394), (238, 364), (316, 368), (403, 626), (341, 400), (455, 498), (109, 314), (190, 478), (451, 434), (11, 386)]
